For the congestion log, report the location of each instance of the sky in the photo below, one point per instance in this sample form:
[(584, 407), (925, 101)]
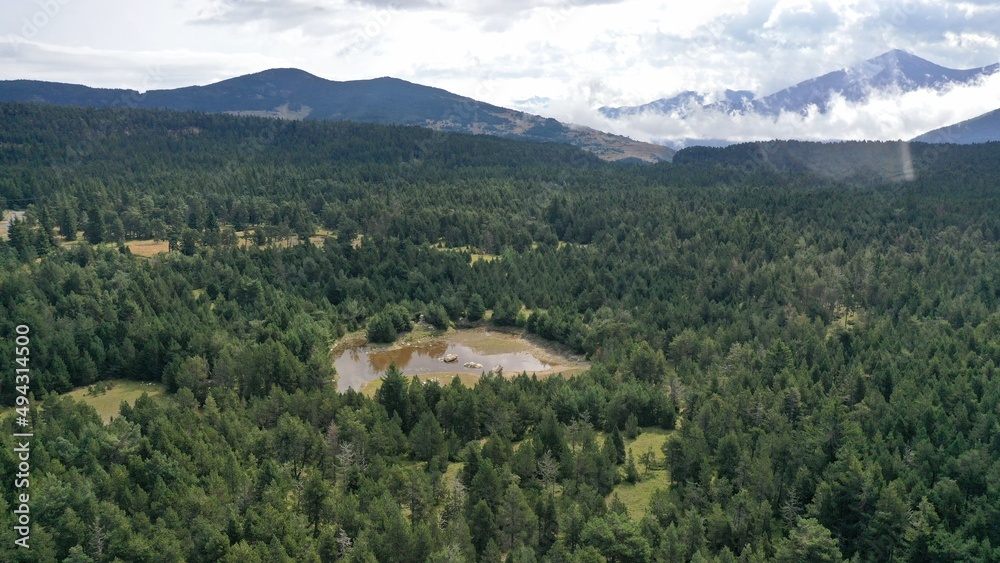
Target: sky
[(559, 58)]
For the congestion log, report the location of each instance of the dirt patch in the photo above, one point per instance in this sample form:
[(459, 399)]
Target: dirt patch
[(494, 341)]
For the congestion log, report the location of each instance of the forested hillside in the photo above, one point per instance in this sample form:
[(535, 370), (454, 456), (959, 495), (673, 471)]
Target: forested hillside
[(295, 94), (817, 353)]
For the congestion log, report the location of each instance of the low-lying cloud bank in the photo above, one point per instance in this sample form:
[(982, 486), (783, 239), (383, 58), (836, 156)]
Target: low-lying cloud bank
[(884, 116)]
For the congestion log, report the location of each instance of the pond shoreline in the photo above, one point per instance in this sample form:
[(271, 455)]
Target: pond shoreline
[(545, 358)]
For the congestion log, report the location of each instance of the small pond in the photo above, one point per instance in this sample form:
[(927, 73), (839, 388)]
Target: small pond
[(356, 365)]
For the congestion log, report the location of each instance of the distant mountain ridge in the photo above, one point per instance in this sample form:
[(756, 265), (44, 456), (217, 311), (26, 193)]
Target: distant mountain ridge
[(982, 129), (895, 71), (295, 94)]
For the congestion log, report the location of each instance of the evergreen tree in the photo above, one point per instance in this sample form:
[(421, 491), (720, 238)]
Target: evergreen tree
[(619, 445), (809, 541), (476, 308), (516, 522), (426, 440), (483, 526), (94, 231), (381, 329), (393, 394), (505, 311)]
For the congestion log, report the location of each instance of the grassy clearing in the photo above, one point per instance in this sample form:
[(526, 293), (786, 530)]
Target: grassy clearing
[(636, 497), (6, 218), (286, 242), (651, 438), (451, 474), (80, 239), (421, 331), (4, 223), (845, 320), (476, 254), (245, 240), (147, 247), (108, 403), (319, 239)]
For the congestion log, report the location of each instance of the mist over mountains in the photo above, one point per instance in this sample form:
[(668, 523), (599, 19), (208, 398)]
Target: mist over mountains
[(847, 103), (894, 72), (893, 96)]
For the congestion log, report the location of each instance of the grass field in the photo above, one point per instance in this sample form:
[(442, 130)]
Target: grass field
[(108, 403), (451, 474), (148, 247), (145, 248), (318, 239), (636, 497)]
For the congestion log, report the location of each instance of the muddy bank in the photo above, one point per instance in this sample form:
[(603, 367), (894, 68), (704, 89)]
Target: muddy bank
[(421, 353)]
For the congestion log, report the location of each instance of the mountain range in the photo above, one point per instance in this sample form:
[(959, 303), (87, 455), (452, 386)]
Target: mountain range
[(894, 72), (982, 129), (295, 94), (890, 74)]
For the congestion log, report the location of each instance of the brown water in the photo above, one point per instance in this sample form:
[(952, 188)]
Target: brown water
[(356, 366)]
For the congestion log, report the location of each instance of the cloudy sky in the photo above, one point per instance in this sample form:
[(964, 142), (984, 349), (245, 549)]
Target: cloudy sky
[(560, 58)]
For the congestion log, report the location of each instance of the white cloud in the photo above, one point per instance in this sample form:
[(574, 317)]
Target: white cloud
[(136, 70), (883, 117), (581, 54)]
